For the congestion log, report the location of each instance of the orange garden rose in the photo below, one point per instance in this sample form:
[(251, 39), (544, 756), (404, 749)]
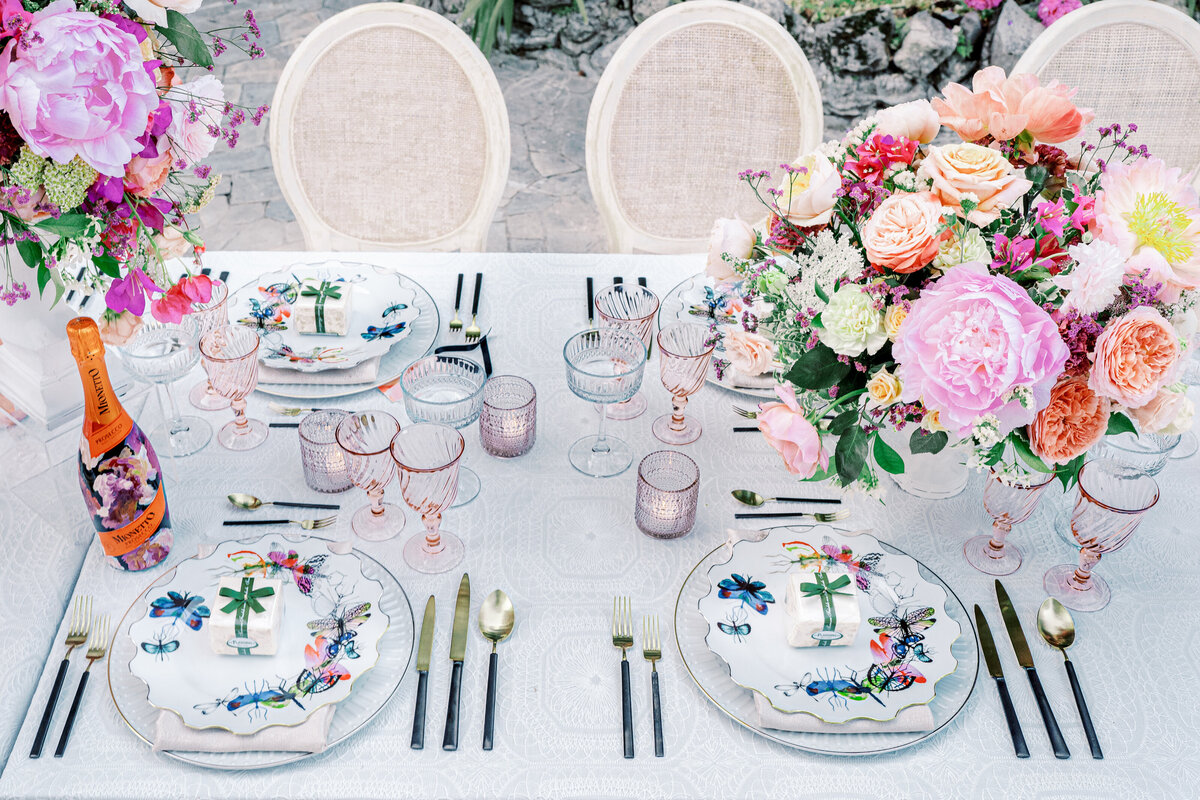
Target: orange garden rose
[(1135, 356), (902, 234), (1074, 420), (960, 169)]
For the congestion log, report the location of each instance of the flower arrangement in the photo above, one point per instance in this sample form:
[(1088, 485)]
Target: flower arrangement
[(997, 291), (101, 142)]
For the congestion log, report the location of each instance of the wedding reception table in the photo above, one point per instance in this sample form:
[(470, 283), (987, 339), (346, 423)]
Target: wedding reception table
[(562, 545)]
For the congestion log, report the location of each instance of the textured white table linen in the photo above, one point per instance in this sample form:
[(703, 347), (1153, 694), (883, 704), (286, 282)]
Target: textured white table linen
[(562, 545)]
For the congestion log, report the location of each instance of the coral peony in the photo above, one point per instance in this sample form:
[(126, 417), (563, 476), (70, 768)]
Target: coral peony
[(145, 176), (902, 235), (806, 196), (1074, 420), (729, 236), (1004, 107), (785, 428), (1135, 356), (961, 169)]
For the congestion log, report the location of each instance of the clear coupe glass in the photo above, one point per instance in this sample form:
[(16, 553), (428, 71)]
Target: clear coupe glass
[(604, 366)]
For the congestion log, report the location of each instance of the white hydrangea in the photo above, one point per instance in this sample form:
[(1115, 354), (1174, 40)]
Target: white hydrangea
[(956, 250), (851, 323), (987, 431), (906, 180), (831, 259)]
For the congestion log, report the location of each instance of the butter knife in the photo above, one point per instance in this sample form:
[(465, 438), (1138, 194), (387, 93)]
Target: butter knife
[(424, 652), (458, 651), (997, 672), (1025, 659)]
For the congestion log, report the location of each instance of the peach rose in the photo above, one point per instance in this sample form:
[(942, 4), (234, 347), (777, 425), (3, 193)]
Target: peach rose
[(902, 234), (914, 120), (120, 329), (749, 353), (960, 169), (883, 389), (730, 236), (807, 197), (893, 318), (145, 176), (171, 243), (932, 421), (1074, 420), (1135, 356), (785, 428), (1168, 413)]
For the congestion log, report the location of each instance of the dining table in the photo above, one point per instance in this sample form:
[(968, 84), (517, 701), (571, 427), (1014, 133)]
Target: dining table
[(562, 545)]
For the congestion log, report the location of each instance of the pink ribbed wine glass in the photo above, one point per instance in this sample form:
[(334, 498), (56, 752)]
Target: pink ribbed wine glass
[(204, 318), (1113, 498), (231, 361), (365, 440), (684, 351), (427, 456), (1009, 502), (630, 308)]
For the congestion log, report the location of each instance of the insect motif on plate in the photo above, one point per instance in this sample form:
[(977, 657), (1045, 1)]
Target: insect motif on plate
[(266, 316), (187, 607), (214, 705), (302, 572), (373, 333), (163, 645), (394, 308), (905, 631), (836, 686), (737, 626), (338, 629), (749, 591), (861, 568), (259, 700), (284, 292), (318, 355), (321, 671)]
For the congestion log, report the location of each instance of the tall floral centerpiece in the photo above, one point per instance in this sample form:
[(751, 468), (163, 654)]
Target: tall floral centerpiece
[(108, 111), (1018, 292)]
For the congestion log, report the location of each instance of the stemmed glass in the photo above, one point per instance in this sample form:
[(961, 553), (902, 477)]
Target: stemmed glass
[(427, 457), (231, 361), (684, 351), (604, 366), (630, 308), (446, 390), (204, 318), (161, 354), (1009, 502), (1112, 500), (366, 440)]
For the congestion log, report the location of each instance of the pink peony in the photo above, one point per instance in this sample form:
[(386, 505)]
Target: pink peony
[(79, 89), (1137, 355), (915, 120), (1002, 107), (785, 428), (972, 344), (195, 118)]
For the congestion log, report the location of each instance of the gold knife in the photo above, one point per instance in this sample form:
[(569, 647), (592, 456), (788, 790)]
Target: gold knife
[(458, 651), (424, 652), (997, 672), (1025, 659)]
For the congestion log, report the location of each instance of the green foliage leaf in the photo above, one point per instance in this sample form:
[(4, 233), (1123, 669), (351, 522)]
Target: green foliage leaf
[(1028, 456), (31, 253), (43, 278), (1069, 473), (850, 456), (887, 458), (922, 441), (107, 265), (1119, 423), (187, 40), (842, 422), (824, 298), (66, 225), (819, 368)]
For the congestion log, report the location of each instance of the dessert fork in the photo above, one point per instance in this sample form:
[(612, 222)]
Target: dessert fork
[(77, 634), (652, 652), (94, 654), (289, 411), (820, 516), (473, 331), (622, 637), (745, 412), (307, 524), (456, 323)]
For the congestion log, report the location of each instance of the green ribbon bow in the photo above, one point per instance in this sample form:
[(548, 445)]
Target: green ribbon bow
[(826, 589), (243, 604), (325, 290)]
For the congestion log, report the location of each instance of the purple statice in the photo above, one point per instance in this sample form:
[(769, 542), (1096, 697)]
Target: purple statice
[(14, 293), (218, 46), (719, 367), (1140, 292), (1050, 11), (252, 22)]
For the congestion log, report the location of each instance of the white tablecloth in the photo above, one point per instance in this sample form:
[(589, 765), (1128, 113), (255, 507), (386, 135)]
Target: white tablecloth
[(562, 545)]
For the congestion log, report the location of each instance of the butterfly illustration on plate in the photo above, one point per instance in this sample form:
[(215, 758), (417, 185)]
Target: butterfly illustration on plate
[(338, 629), (302, 572), (373, 333), (255, 699), (889, 674), (282, 292), (905, 630), (187, 607), (319, 355), (749, 591), (833, 683), (321, 671), (737, 626), (266, 316), (394, 308), (861, 568), (163, 645)]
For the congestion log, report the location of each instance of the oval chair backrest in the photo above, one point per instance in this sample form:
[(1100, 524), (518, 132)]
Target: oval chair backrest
[(696, 94), (1133, 61), (389, 132)]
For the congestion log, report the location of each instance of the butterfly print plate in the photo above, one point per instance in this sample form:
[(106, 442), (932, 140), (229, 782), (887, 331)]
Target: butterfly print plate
[(904, 640), (331, 627)]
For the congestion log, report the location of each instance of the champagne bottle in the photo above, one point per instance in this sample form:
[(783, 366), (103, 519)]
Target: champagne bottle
[(119, 473)]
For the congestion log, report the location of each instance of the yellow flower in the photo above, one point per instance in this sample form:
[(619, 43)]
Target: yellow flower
[(883, 389), (893, 318), (932, 421)]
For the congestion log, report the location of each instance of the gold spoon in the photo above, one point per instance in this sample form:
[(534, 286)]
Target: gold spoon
[(1057, 627), (251, 503), (496, 619), (749, 498)]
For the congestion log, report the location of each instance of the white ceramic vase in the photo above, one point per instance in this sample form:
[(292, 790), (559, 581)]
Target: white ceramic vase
[(930, 476)]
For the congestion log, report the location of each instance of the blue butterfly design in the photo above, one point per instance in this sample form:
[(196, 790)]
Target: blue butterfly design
[(393, 309), (751, 592), (739, 631), (187, 607), (161, 647), (387, 332)]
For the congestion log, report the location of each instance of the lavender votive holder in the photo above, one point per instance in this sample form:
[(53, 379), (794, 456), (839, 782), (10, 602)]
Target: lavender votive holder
[(323, 460), (508, 421), (668, 489)]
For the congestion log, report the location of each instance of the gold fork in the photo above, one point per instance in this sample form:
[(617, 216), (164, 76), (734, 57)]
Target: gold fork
[(622, 637), (94, 654), (820, 516), (307, 524), (473, 330), (652, 652), (745, 412), (456, 323), (77, 634), (289, 411)]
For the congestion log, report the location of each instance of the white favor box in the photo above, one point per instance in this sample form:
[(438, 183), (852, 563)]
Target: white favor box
[(262, 628), (806, 619), (335, 311)]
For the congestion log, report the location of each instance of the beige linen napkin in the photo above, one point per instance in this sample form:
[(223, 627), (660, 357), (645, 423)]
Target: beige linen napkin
[(359, 373)]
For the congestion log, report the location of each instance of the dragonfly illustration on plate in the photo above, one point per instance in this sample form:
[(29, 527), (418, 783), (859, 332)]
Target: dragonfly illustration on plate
[(372, 333), (188, 607), (394, 308), (255, 699), (833, 683), (266, 316), (749, 591), (338, 629), (905, 630)]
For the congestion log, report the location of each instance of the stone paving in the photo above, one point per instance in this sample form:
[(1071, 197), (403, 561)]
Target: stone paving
[(547, 206)]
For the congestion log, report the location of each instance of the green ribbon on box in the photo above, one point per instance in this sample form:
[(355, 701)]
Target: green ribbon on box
[(826, 589), (325, 290), (242, 604)]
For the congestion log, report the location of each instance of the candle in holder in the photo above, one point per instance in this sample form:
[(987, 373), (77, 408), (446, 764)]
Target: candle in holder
[(508, 421), (668, 489), (323, 460)]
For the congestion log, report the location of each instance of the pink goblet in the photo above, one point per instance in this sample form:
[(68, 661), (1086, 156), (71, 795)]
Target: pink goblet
[(684, 351), (427, 455), (1113, 498), (365, 439), (231, 361), (632, 309), (204, 318), (1009, 502)]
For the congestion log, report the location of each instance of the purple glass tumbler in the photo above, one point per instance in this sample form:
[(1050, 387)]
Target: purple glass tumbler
[(508, 421), (668, 489), (323, 459)]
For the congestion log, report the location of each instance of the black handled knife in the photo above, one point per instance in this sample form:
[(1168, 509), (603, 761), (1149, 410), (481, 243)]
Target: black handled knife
[(1025, 659), (458, 651), (424, 653), (997, 672)]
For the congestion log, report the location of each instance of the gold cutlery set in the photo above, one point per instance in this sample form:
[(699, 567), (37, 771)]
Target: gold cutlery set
[(78, 633), (622, 637), (251, 503)]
